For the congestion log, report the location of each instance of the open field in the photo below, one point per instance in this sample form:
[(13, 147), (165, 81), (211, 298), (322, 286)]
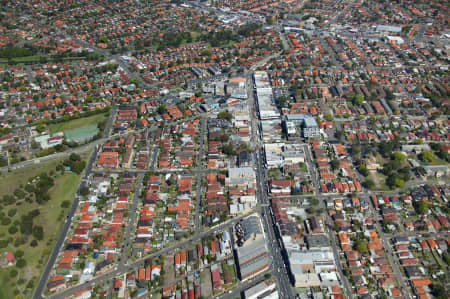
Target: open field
[(14, 280), (9, 181), (379, 179), (77, 123)]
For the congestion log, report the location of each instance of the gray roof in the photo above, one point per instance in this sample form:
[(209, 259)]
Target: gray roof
[(310, 122), (251, 249), (389, 28), (261, 287), (254, 264), (317, 241)]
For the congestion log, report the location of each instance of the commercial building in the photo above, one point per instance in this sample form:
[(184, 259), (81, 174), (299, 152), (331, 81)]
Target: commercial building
[(306, 265), (309, 124), (251, 251), (263, 290)]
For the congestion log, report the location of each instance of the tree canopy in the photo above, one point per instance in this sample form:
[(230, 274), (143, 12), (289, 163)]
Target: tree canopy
[(398, 156), (358, 100), (427, 156)]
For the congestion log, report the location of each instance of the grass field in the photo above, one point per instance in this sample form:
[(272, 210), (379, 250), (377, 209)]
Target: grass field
[(77, 123), (51, 218), (9, 181), (25, 58)]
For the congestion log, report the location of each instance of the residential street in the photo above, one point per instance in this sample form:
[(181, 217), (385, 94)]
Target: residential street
[(126, 267)]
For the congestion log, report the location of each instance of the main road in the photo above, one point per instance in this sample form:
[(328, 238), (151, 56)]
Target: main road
[(200, 176), (269, 224), (62, 236)]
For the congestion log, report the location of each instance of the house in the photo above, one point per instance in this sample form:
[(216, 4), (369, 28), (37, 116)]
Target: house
[(8, 260), (108, 160), (57, 283), (280, 187), (216, 280)]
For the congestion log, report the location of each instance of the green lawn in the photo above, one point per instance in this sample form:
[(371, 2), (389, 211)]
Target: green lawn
[(51, 218), (231, 269), (438, 161), (25, 58), (28, 58), (77, 123)]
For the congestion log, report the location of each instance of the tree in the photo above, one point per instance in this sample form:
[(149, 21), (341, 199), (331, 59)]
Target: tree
[(162, 109), (19, 193), (447, 258), (427, 156), (398, 156), (26, 225), (228, 149), (225, 115), (361, 246), (134, 81), (5, 221), (12, 212), (421, 207), (394, 181), (19, 253), (314, 201), (3, 162), (224, 138), (103, 39), (363, 170), (389, 95), (74, 157), (65, 204), (358, 100), (21, 263), (79, 166), (38, 232), (328, 117), (12, 229), (386, 148), (438, 291), (40, 128), (14, 52), (369, 184), (84, 191), (34, 213), (334, 164)]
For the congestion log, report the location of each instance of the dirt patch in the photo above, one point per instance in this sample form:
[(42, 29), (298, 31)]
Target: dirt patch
[(378, 179), (169, 268), (206, 284)]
